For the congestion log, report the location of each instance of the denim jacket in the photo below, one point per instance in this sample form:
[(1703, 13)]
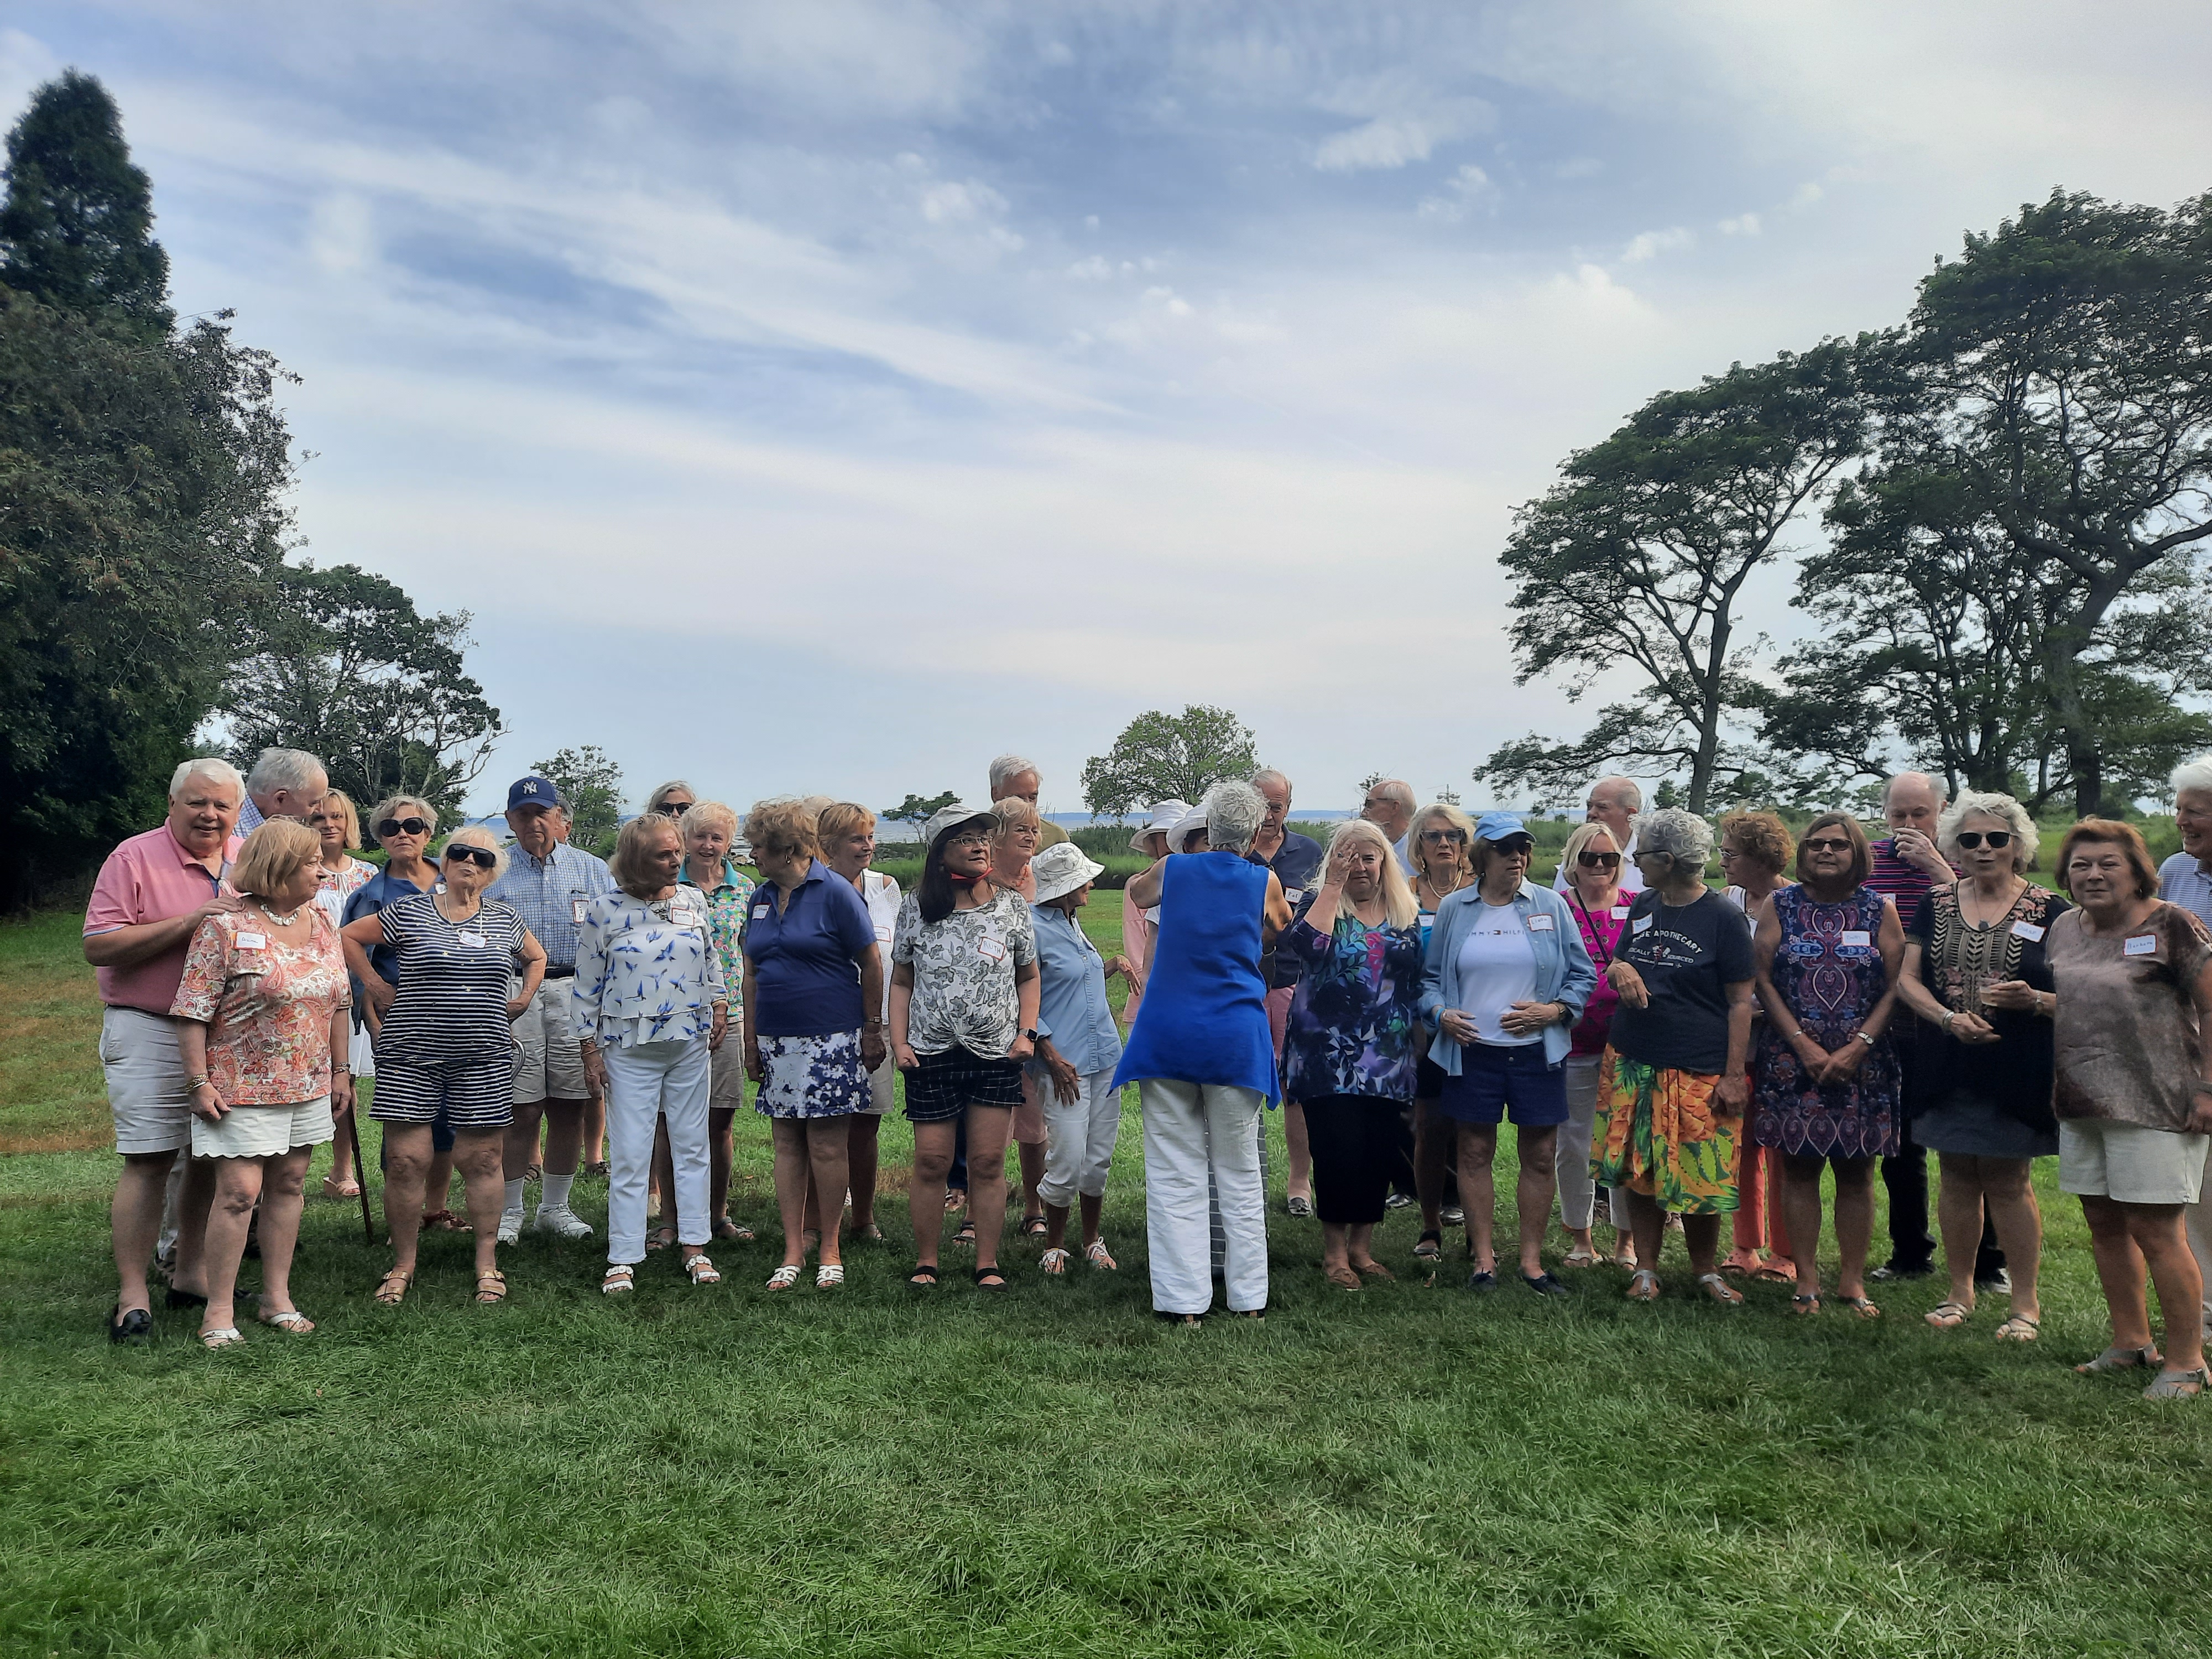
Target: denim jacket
[(1564, 972)]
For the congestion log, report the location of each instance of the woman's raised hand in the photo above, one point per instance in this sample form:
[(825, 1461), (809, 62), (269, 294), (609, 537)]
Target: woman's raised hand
[(1628, 984)]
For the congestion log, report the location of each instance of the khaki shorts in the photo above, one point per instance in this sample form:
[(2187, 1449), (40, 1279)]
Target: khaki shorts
[(145, 1073), (725, 1087), (263, 1131), (2129, 1163), (549, 1066)]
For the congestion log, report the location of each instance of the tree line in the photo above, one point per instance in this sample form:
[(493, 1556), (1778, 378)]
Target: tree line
[(150, 589)]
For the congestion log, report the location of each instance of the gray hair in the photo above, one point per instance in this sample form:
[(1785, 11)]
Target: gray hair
[(1684, 835), (214, 769), (1233, 811), (1635, 790), (284, 769), (653, 802), (1009, 766), (1268, 774), (2195, 775), (1936, 787), (477, 834), (1395, 789), (2027, 841), (392, 805), (712, 811)]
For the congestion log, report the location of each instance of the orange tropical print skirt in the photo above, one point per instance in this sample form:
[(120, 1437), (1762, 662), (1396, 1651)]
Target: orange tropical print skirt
[(1658, 1134)]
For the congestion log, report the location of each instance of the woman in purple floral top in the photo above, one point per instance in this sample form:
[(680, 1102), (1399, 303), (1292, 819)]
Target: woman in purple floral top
[(1349, 1049)]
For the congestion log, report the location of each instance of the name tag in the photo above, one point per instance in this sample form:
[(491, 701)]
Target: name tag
[(576, 911), (1858, 937), (470, 938), (883, 934), (260, 941), (760, 913), (2026, 930), (1540, 924), (1620, 913), (2141, 945), (1640, 925), (990, 950)]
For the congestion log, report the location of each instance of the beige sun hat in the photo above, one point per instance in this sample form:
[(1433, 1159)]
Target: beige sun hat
[(1061, 869)]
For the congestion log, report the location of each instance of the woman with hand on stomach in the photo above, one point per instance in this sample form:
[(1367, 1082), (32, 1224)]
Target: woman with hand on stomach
[(1440, 848), (1593, 864)]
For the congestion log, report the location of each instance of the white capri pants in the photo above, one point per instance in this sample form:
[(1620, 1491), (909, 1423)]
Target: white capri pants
[(1577, 1191), (1080, 1139), (646, 1081), (1192, 1130), (2199, 1218)]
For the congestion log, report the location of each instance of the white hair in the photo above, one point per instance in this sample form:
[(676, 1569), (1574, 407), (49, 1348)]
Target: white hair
[(2195, 775), (1635, 790), (1935, 786), (1972, 803), (214, 769), (652, 801), (1268, 774), (1233, 811), (284, 769), (477, 834), (1395, 789), (1009, 766), (1684, 835)]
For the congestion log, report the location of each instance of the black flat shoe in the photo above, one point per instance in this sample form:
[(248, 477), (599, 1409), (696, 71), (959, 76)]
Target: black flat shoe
[(133, 1327), (1482, 1280), (177, 1298), (1544, 1284)]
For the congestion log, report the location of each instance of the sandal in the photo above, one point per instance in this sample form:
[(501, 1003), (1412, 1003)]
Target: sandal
[(925, 1272), (985, 1275), (661, 1238), (737, 1230), (1299, 1204), (1343, 1278), (1098, 1256), (1721, 1291), (2178, 1385), (967, 1233), (829, 1276), (702, 1271), (289, 1320), (1054, 1262), (1577, 1257), (1637, 1283), (333, 1187), (1432, 1247), (1805, 1303), (1770, 1272), (1860, 1305), (1948, 1315), (2121, 1359), (784, 1277), (1372, 1270), (228, 1337), (392, 1289), (491, 1287), (1034, 1226), (870, 1234), (2021, 1328), (443, 1221), (619, 1278), (956, 1200)]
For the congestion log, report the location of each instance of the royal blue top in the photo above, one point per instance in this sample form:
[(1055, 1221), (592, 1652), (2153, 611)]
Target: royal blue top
[(806, 956), (1205, 1014)]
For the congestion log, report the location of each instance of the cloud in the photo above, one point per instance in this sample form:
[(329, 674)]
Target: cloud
[(1406, 123), (1744, 224), (1650, 244), (1463, 189)]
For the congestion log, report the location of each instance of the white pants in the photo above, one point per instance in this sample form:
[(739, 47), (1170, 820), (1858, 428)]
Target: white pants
[(1079, 1140), (645, 1082), (1577, 1191), (2199, 1217), (1192, 1130)]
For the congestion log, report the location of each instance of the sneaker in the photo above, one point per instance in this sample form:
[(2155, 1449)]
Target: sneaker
[(563, 1224), (1890, 1270), (1453, 1216), (1999, 1281), (1397, 1200), (510, 1227)]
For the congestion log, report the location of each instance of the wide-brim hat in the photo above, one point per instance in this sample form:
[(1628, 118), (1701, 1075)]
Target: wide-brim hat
[(1163, 818), (1193, 818), (1061, 868), (945, 816)]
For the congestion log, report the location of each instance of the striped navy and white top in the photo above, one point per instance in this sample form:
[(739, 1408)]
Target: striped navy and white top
[(451, 1006)]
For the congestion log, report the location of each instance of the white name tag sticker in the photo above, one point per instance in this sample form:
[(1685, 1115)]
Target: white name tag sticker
[(1292, 895), (990, 950), (1857, 936), (576, 911), (760, 913), (470, 938), (2140, 945), (883, 934), (1620, 913), (1639, 925), (2026, 930), (254, 941), (1540, 924)]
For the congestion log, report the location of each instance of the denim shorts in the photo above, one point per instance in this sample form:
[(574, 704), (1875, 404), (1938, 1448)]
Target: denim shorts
[(1495, 1083)]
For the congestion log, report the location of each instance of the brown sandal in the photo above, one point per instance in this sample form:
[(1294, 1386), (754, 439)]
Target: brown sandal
[(392, 1289), (491, 1287)]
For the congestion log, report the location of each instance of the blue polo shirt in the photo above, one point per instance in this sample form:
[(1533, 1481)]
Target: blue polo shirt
[(379, 892), (806, 958)]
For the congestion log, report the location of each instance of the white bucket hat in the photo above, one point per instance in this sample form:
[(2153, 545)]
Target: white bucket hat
[(1165, 815), (945, 816), (1061, 869), (1193, 818)]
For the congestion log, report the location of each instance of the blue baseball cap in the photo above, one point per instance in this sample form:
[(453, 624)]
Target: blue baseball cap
[(1500, 826), (532, 791)]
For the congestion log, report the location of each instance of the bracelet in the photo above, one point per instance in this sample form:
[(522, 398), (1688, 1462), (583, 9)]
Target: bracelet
[(1950, 1014), (1864, 1038), (194, 1084)]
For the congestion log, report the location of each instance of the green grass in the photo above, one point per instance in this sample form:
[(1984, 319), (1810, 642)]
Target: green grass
[(725, 1472)]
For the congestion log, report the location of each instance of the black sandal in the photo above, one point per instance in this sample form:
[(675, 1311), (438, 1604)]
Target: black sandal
[(983, 1275), (966, 1235), (924, 1273), (1432, 1247), (1034, 1226)]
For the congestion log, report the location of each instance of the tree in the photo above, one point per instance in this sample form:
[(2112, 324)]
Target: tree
[(916, 811), (1639, 559), (75, 229), (339, 663), (591, 786), (1169, 756)]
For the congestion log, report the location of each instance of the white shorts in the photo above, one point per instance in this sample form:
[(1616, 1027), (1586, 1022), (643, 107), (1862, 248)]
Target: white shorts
[(145, 1073), (263, 1131), (550, 1066), (2129, 1163), (882, 1091)]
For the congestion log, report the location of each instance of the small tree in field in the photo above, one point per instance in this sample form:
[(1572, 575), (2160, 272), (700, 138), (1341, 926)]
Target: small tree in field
[(917, 810), (1169, 756), (591, 787)]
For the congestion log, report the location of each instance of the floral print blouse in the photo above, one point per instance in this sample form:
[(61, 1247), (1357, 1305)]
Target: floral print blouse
[(267, 1006), (646, 970), (1351, 1029), (963, 974), (726, 914)]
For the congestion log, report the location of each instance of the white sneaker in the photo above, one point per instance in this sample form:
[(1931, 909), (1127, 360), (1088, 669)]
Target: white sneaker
[(563, 1224), (510, 1227)]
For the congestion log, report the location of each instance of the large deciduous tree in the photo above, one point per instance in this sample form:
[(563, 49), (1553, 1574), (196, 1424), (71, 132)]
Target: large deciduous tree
[(1160, 756), (1637, 560)]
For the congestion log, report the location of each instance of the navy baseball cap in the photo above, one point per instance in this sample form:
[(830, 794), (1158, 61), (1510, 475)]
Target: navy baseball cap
[(532, 791)]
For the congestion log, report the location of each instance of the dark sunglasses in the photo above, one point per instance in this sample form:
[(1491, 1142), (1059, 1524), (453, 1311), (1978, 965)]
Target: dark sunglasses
[(403, 827), (1971, 839), (1515, 845), (677, 809), (1444, 834), (482, 857), (1825, 845), (1597, 860)]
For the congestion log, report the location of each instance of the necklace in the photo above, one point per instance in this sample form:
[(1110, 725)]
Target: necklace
[(276, 917), (2003, 909)]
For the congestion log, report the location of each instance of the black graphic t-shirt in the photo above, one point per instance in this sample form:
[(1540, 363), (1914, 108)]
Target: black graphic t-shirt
[(1689, 955)]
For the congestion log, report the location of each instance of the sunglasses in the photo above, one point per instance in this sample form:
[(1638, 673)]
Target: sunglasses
[(482, 857), (1518, 847), (1826, 846), (1970, 839), (403, 827), (677, 809), (1597, 860), (1444, 834)]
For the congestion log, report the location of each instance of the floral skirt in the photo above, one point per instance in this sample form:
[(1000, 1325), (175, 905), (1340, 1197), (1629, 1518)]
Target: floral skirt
[(812, 1076), (1658, 1133)]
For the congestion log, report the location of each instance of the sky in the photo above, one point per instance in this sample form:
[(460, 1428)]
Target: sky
[(827, 398)]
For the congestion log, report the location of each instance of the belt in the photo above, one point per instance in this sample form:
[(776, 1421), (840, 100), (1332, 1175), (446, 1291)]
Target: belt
[(559, 973)]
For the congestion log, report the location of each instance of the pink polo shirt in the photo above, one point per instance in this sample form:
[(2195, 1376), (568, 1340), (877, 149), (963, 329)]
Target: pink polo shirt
[(149, 877)]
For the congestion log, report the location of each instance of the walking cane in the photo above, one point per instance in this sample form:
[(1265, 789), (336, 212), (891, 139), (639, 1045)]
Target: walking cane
[(360, 1171)]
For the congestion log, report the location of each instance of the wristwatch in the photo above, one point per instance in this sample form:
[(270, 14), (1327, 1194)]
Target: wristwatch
[(1864, 1038), (1031, 1034)]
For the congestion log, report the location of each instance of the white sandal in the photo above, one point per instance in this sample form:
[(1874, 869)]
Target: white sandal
[(1053, 1261), (228, 1337), (1098, 1258), (702, 1271), (829, 1276), (620, 1277), (783, 1278), (290, 1320)]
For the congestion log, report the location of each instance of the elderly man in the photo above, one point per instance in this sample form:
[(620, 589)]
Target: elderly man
[(151, 897), (1389, 807), (551, 882), (1014, 778), (285, 783), (1615, 802), (2186, 879)]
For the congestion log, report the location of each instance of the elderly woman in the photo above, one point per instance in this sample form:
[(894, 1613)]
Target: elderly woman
[(1979, 1084), (964, 998), (1756, 848), (1077, 1047), (649, 1010), (337, 821), (446, 1046), (1506, 978), (1203, 1059), (1440, 847), (672, 799), (1352, 1042), (813, 1024), (1150, 839), (1592, 859), (2133, 1090), (1672, 1088), (1825, 955), (849, 847), (1016, 834), (264, 1017)]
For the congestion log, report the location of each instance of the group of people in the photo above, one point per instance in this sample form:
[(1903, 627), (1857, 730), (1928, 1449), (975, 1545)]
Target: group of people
[(1837, 1005)]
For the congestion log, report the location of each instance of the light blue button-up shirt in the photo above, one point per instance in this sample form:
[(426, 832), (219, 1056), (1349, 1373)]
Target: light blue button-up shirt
[(2182, 881), (1072, 1006), (549, 892)]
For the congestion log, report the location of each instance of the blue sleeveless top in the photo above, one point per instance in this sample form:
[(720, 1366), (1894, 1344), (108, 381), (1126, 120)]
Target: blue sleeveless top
[(1205, 1014)]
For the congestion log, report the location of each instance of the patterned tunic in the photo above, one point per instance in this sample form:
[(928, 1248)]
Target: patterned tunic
[(1829, 971), (267, 1005), (963, 974), (646, 970), (1353, 1021), (725, 912)]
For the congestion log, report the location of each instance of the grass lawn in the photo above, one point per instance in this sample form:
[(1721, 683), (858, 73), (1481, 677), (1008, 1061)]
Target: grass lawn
[(725, 1472)]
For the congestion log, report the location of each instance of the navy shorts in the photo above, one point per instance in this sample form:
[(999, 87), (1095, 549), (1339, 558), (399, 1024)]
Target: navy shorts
[(1495, 1083)]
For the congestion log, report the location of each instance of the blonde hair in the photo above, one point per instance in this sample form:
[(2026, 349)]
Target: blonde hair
[(783, 826), (394, 806), (840, 819), (476, 835), (277, 847), (1583, 835), (627, 867), (352, 815), (1416, 851), (711, 811), (1398, 909), (1013, 813)]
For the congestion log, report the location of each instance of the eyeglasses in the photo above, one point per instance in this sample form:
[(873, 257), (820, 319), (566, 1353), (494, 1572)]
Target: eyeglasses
[(677, 809), (1441, 835), (403, 827), (1970, 839), (482, 857), (968, 838), (1824, 844), (1597, 860)]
